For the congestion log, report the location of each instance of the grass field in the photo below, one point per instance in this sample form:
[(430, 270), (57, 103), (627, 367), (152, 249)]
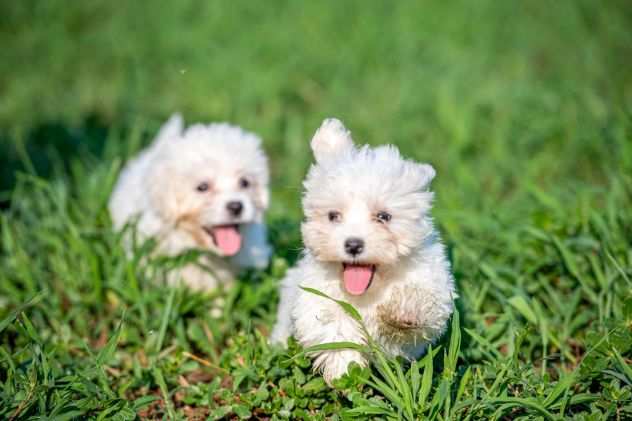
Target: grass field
[(524, 108)]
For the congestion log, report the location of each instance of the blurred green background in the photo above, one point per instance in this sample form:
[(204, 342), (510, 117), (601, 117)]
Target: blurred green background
[(499, 96)]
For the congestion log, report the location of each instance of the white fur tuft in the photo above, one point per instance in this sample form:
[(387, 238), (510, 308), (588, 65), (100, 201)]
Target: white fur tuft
[(331, 139), (170, 130), (427, 174)]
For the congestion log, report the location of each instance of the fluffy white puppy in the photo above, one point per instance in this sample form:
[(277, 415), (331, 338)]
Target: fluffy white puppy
[(203, 187), (370, 241)]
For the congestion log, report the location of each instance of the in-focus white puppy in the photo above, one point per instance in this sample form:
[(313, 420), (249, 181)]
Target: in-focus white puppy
[(203, 187), (370, 241)]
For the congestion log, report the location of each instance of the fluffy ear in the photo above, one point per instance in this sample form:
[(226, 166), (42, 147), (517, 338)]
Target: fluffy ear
[(331, 138), (427, 174), (172, 128)]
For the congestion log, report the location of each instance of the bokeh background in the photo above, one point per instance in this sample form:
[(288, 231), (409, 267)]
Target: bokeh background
[(500, 96), (523, 107)]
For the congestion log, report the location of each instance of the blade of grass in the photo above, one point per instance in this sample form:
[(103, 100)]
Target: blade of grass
[(522, 403), (426, 381), (165, 320), (160, 381), (14, 313), (348, 308), (107, 352)]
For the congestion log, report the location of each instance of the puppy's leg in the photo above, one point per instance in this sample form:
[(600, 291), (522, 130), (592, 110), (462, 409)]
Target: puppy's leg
[(319, 321), (283, 327)]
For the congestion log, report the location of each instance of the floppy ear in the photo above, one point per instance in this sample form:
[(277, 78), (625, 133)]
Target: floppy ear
[(427, 174), (331, 139), (172, 128)]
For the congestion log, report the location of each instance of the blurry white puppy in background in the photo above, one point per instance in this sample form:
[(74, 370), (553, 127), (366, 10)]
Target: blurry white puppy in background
[(203, 187), (370, 241)]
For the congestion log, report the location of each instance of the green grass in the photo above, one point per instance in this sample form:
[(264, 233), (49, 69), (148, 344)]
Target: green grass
[(524, 108)]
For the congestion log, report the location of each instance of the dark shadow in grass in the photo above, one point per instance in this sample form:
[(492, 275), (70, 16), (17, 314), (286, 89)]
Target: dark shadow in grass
[(285, 236), (47, 149)]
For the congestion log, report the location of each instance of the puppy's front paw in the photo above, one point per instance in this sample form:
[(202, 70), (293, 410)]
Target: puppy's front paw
[(402, 315), (407, 321), (334, 364)]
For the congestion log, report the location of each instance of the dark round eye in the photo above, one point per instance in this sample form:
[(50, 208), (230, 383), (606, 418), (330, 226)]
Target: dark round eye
[(244, 183), (334, 216), (383, 217), (202, 187)]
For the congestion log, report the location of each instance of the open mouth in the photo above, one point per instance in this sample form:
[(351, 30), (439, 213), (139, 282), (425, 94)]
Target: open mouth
[(226, 238), (357, 277)]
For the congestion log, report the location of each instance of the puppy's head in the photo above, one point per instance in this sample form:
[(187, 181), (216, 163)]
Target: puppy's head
[(366, 209), (209, 181)]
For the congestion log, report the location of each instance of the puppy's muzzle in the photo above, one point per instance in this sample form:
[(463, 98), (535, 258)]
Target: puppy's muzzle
[(354, 246), (235, 208)]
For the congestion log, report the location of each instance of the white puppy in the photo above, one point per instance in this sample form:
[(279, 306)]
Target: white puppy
[(369, 241), (205, 187)]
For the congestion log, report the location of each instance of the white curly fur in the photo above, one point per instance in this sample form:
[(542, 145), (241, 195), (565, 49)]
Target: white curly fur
[(410, 299), (159, 187)]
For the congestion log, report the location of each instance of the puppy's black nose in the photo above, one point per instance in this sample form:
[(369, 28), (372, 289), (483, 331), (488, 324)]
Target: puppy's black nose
[(354, 246), (234, 208)]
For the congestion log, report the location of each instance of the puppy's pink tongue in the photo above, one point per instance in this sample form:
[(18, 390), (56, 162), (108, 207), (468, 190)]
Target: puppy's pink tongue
[(357, 278), (228, 239)]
